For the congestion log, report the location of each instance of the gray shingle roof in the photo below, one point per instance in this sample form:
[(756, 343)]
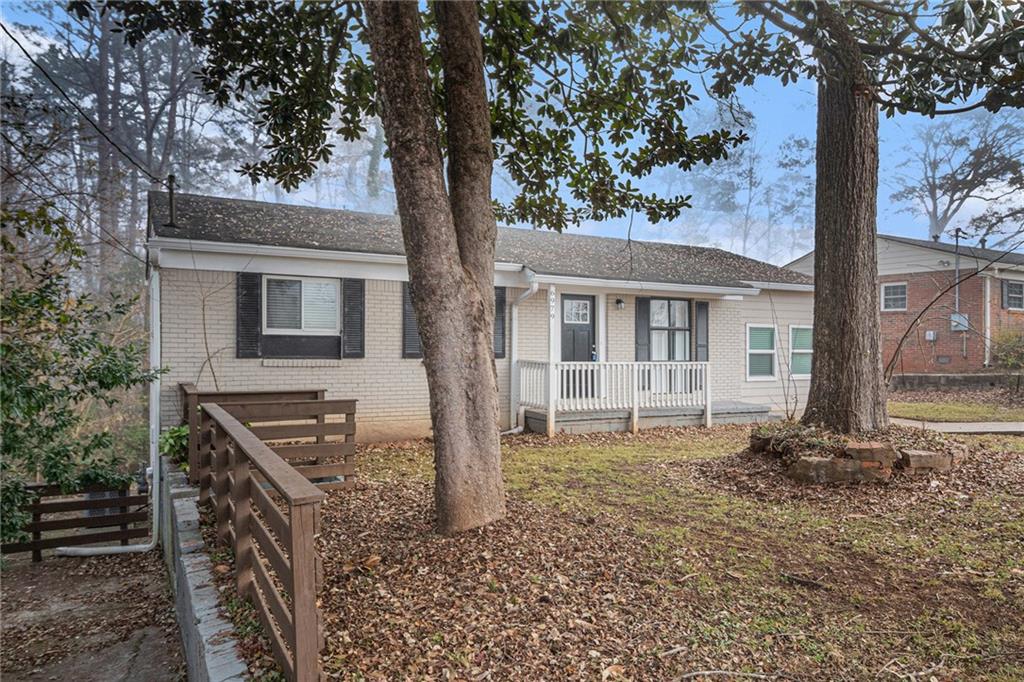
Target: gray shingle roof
[(1015, 258), (550, 253)]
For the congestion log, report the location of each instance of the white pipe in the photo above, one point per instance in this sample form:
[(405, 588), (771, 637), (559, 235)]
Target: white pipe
[(154, 435), (988, 320), (513, 398)]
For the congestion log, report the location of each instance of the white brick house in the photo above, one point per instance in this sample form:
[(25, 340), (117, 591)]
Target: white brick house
[(594, 333)]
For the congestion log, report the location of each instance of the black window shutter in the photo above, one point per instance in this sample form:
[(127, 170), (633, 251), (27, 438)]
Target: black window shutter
[(1004, 285), (353, 318), (499, 322), (248, 286), (701, 330), (643, 329), (411, 347)]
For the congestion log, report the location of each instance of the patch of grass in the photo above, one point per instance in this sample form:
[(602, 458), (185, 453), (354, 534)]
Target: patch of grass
[(956, 412)]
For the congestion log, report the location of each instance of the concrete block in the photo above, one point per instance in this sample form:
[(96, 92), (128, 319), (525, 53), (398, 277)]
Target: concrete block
[(837, 470), (872, 451), (925, 460)]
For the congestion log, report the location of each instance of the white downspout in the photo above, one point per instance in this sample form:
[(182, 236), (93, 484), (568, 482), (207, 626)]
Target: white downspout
[(513, 352), (154, 435), (988, 320)]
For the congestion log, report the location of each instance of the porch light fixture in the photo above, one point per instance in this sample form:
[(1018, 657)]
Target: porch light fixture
[(620, 304)]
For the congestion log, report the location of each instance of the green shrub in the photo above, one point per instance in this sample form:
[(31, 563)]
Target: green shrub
[(1008, 352), (174, 444)]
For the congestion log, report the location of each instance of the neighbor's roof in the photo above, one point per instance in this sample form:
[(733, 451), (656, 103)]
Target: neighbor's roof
[(1003, 258), (1014, 258), (550, 253)]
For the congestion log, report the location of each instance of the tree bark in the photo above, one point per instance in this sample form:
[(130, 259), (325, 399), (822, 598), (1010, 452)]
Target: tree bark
[(449, 244), (847, 392)]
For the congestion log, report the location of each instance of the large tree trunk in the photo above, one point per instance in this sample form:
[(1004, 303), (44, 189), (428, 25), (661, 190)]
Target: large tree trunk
[(847, 393), (449, 243)]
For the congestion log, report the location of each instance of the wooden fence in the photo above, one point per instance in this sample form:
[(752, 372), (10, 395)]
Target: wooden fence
[(191, 397), (121, 511), (268, 513)]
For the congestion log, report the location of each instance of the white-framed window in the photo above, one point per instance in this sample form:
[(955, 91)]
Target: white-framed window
[(801, 349), (1014, 295), (669, 325), (576, 311), (894, 296), (310, 306), (761, 340)]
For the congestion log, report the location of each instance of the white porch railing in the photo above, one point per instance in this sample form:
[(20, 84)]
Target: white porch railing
[(594, 386)]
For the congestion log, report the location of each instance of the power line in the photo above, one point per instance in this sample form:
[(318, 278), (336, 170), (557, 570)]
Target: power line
[(110, 239), (81, 111)]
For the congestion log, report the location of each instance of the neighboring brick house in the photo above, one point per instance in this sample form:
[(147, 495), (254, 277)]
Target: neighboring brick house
[(912, 272), (257, 296)]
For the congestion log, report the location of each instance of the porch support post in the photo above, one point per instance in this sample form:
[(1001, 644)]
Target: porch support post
[(553, 331), (707, 394), (634, 394)]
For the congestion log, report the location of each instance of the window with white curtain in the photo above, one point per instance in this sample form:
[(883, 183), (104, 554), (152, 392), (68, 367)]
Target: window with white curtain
[(301, 305), (670, 330), (760, 352)]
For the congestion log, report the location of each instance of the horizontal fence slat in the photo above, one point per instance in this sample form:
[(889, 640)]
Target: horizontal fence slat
[(293, 487), (315, 450), (51, 490), (290, 409), (283, 431), (87, 522), (272, 551), (273, 599), (80, 505), (327, 470), (72, 540), (281, 653), (274, 517)]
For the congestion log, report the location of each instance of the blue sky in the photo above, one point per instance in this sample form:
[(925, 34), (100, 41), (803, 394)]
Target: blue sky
[(779, 112)]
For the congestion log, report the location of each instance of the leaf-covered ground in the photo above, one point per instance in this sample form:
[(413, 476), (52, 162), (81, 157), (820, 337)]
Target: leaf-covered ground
[(660, 556), (92, 619)]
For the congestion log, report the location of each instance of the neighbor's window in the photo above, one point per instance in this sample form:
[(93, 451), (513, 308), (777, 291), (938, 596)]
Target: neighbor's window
[(894, 296), (801, 350), (670, 330), (760, 352), (301, 305), (1014, 295)]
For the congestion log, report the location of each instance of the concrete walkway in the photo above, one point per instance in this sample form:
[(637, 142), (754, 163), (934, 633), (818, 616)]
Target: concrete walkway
[(1006, 428)]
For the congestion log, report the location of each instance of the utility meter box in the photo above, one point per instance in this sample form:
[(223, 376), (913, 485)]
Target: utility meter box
[(958, 322), (931, 335)]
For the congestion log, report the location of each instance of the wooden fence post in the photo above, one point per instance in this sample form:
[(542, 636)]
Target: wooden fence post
[(37, 554), (305, 618), (124, 510), (240, 493), (204, 459), (219, 463)]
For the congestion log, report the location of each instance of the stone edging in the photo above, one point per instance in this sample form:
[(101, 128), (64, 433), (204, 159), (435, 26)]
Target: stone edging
[(207, 635)]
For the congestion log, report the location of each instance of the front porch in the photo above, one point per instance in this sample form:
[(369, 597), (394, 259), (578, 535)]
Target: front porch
[(580, 397), (722, 412)]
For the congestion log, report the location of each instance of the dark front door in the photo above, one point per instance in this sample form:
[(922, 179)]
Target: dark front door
[(578, 336), (578, 345)]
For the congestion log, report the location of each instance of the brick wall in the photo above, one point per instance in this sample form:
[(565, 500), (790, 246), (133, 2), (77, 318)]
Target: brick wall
[(951, 351)]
